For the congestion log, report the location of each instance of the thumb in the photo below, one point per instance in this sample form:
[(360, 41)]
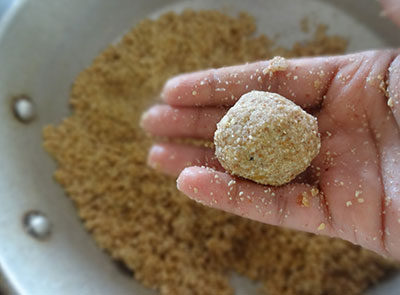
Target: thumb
[(297, 206), (391, 9)]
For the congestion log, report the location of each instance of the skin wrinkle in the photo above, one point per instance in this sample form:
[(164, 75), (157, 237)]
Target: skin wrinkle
[(383, 225), (354, 73), (382, 209), (282, 206), (331, 221), (383, 236), (235, 196), (273, 81), (213, 83), (196, 122), (321, 101), (327, 213)]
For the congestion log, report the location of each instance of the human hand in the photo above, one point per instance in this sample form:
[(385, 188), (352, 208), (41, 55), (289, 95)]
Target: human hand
[(391, 9), (351, 190)]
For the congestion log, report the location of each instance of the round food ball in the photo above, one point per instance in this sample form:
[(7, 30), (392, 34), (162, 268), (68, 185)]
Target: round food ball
[(266, 138)]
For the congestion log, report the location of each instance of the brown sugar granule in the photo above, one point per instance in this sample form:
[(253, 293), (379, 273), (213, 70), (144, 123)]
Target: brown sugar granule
[(136, 214)]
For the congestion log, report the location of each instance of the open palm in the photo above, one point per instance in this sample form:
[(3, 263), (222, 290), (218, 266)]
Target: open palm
[(351, 190)]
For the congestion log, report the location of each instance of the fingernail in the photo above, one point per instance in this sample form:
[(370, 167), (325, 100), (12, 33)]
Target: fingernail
[(178, 183), (187, 172), (149, 118), (144, 117), (172, 83), (179, 180), (169, 85), (153, 154)]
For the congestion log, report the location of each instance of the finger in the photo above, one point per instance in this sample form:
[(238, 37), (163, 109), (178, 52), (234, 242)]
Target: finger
[(164, 120), (296, 206), (171, 158), (394, 90), (304, 81), (391, 9)]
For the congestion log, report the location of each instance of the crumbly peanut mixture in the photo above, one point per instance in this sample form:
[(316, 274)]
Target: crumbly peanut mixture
[(135, 214), (266, 138), (276, 64)]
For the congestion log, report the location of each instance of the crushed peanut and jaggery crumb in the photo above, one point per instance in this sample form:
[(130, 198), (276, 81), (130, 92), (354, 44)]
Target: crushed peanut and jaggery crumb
[(266, 138), (276, 64), (137, 215)]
